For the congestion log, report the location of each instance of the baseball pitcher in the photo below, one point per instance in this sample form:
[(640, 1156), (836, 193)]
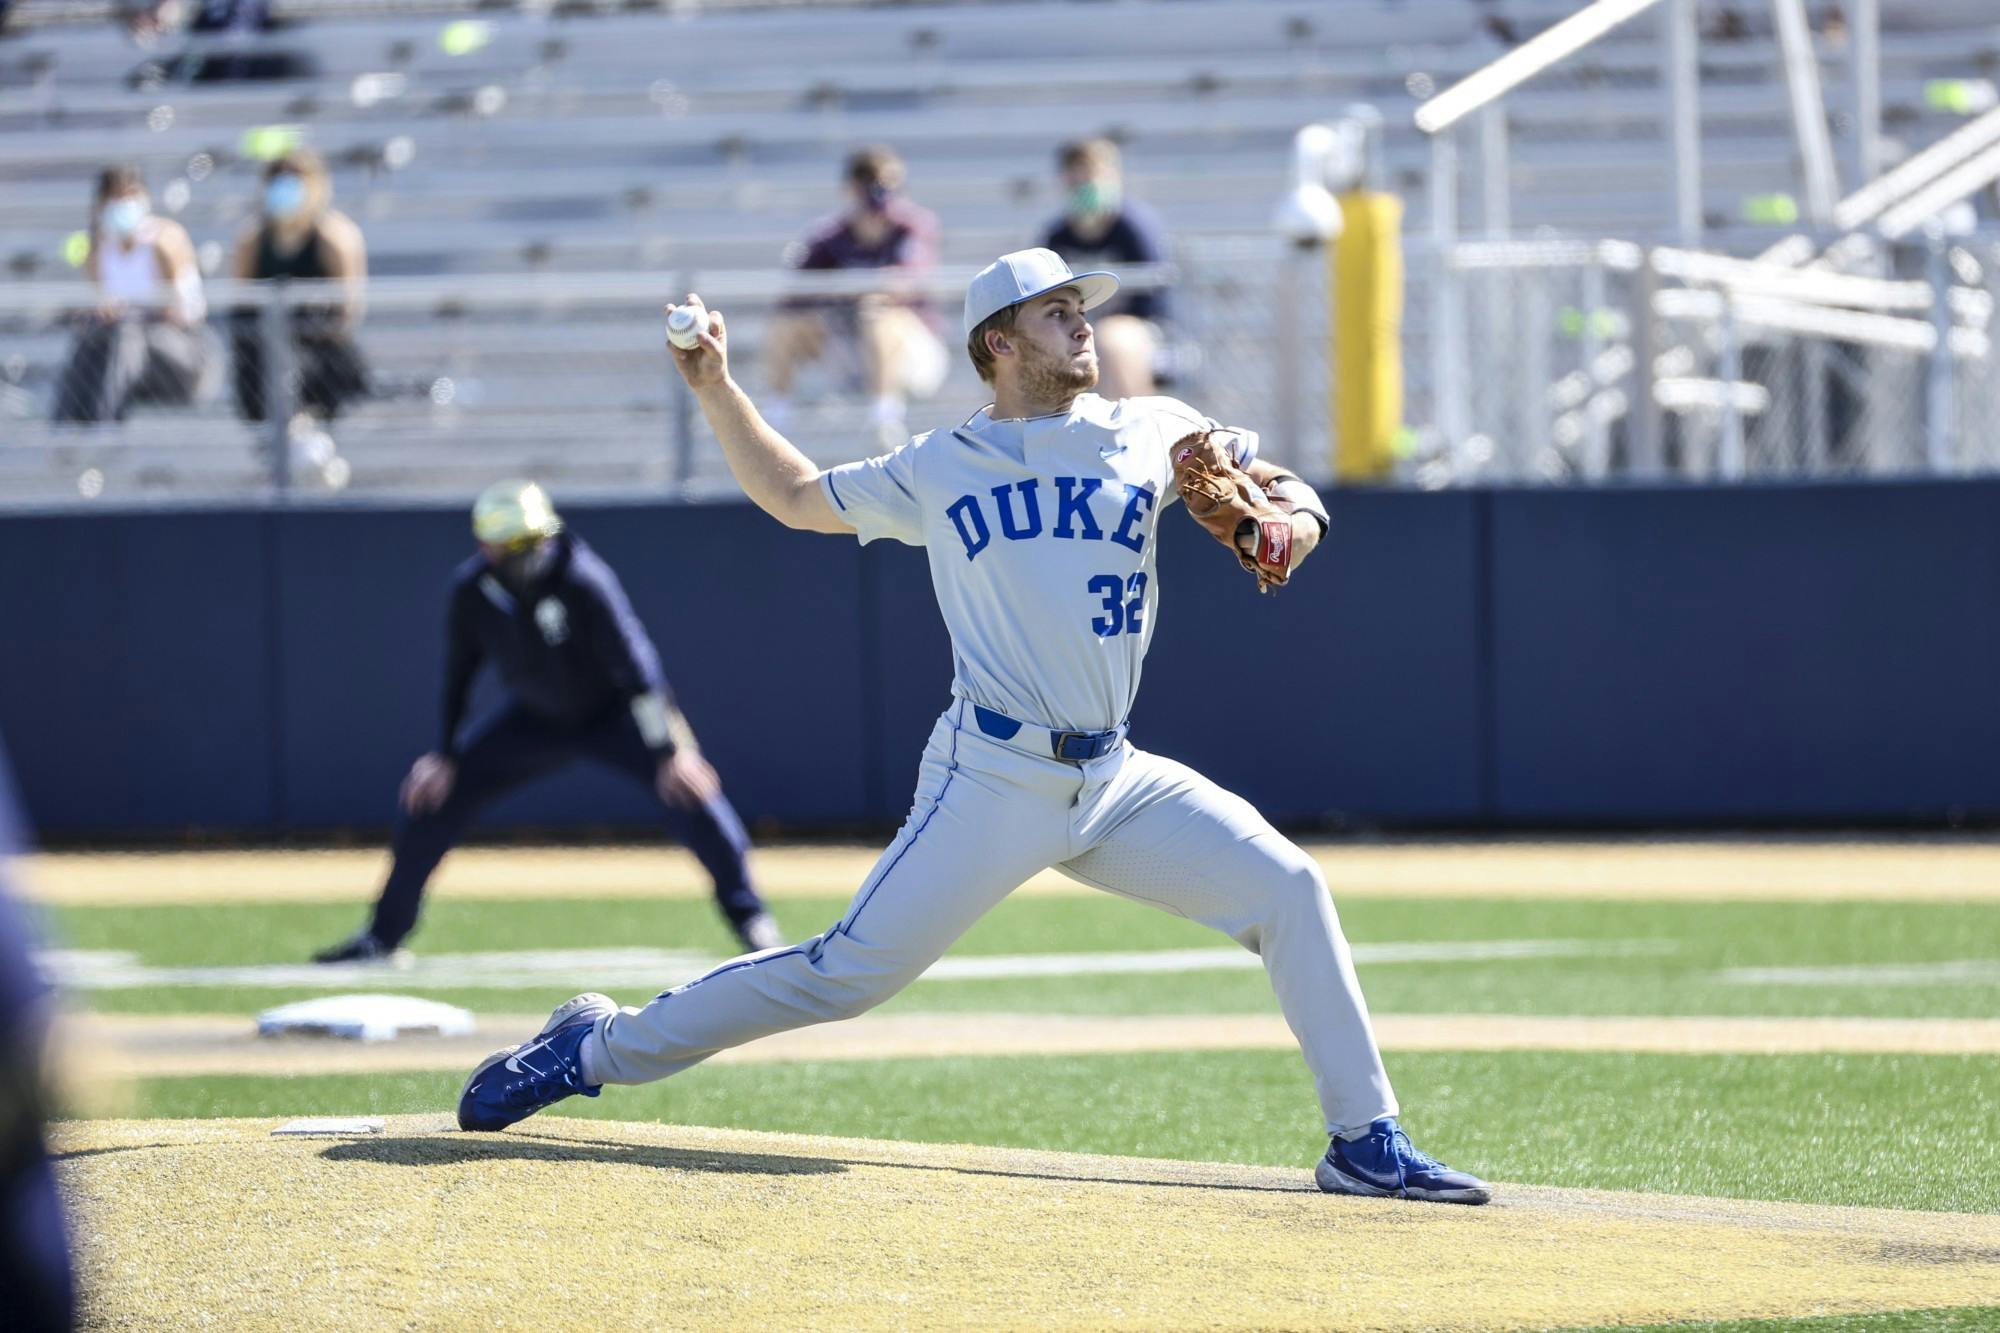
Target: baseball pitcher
[(1038, 515)]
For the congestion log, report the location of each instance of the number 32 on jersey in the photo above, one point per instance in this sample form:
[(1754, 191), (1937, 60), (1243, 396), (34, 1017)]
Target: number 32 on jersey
[(1124, 604)]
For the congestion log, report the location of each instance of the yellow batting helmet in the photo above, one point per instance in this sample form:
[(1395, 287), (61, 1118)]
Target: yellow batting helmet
[(514, 513)]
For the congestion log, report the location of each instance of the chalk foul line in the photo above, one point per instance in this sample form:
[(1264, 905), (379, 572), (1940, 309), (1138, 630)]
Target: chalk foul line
[(1973, 971), (92, 969)]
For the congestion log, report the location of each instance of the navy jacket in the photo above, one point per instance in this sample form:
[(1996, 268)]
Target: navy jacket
[(569, 651), (1135, 237)]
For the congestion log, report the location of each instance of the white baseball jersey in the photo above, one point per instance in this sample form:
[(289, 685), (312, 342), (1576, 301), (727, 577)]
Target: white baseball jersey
[(1040, 536)]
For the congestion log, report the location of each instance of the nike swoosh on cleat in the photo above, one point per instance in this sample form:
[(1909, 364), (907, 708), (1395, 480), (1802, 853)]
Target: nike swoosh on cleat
[(1361, 1172), (514, 1065)]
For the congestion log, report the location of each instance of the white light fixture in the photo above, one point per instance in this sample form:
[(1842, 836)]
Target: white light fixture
[(1309, 214)]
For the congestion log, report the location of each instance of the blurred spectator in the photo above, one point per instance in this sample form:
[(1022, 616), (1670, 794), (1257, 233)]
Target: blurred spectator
[(299, 235), (147, 21), (900, 355), (1101, 228), (237, 25), (144, 341), (227, 42), (231, 16), (37, 1293), (1727, 24)]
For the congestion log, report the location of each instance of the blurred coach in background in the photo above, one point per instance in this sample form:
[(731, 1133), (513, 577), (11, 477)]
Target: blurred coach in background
[(585, 683)]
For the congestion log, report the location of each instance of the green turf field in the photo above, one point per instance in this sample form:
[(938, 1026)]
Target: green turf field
[(1899, 1131), (1658, 958), (1902, 1321)]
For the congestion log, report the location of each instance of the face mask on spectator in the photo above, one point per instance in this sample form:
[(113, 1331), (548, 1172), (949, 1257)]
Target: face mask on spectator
[(284, 196), (123, 216), (1093, 199), (875, 196)]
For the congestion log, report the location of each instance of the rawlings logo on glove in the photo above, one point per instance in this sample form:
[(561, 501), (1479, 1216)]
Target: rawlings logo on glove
[(1222, 498)]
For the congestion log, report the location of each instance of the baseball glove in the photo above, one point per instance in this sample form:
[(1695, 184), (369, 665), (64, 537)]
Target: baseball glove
[(1224, 500)]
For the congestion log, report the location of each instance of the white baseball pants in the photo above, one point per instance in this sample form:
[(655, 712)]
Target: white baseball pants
[(987, 816)]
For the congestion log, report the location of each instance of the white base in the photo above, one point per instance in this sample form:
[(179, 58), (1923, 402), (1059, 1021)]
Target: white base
[(365, 1018)]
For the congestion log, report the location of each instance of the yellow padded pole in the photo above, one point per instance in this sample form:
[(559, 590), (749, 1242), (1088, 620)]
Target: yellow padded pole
[(1366, 272)]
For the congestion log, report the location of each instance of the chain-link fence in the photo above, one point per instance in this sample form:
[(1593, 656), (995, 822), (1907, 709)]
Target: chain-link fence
[(1519, 358), (1974, 389), (1565, 361), (431, 387)]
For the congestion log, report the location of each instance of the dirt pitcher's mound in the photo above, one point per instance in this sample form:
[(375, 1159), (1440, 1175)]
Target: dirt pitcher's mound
[(571, 1223)]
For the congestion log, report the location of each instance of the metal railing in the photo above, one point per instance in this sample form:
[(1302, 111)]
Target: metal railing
[(1596, 361), (565, 377), (1838, 350), (1585, 362)]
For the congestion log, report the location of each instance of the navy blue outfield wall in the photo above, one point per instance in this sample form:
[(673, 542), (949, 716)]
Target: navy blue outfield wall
[(1505, 659)]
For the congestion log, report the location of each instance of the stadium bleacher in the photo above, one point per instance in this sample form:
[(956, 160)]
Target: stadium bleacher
[(473, 143)]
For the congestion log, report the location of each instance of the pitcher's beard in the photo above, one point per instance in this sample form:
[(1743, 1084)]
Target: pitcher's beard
[(1048, 378)]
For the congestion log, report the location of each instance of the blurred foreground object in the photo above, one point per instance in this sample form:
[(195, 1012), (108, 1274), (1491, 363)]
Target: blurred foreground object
[(36, 1289)]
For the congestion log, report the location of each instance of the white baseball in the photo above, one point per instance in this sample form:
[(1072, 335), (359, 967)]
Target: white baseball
[(684, 327)]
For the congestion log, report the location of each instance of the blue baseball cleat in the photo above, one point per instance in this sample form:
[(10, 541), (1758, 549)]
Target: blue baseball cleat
[(515, 1082), (1383, 1163)]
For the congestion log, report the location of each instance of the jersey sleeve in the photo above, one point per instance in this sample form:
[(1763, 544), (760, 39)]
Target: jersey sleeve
[(879, 495), (462, 654), (616, 633), (630, 660)]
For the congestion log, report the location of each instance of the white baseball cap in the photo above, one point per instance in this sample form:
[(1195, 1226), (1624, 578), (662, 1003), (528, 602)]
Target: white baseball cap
[(1024, 275)]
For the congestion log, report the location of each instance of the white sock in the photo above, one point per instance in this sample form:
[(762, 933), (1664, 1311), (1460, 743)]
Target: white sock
[(583, 1062)]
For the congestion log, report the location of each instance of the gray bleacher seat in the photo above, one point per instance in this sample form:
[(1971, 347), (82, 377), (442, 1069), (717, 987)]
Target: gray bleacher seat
[(659, 145)]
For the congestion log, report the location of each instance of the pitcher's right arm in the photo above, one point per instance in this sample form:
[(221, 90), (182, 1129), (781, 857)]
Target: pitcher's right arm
[(780, 480)]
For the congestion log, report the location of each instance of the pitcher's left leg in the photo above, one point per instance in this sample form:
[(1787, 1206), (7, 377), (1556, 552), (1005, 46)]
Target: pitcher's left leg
[(1179, 841), (1161, 833)]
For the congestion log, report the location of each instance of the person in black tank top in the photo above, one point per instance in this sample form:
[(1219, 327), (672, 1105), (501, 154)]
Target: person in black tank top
[(299, 236)]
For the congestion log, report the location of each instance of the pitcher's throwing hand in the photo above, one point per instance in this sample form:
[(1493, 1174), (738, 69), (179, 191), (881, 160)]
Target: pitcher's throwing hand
[(706, 364)]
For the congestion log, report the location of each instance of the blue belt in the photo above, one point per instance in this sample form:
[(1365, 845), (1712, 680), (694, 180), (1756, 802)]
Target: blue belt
[(1073, 746)]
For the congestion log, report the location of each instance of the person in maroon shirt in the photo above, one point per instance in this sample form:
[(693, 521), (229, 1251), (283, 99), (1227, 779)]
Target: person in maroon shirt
[(900, 355)]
